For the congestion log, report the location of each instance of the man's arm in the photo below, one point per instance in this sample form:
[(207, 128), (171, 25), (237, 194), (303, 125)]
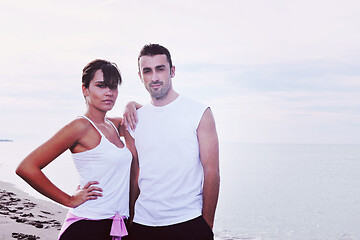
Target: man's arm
[(209, 156), (134, 175)]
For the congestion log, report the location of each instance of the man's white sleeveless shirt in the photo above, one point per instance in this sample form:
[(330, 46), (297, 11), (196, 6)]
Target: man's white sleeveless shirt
[(171, 173)]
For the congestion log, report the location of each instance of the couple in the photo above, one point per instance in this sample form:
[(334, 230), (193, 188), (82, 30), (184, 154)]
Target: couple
[(162, 183)]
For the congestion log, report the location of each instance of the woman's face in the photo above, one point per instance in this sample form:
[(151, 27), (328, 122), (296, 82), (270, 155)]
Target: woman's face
[(98, 95)]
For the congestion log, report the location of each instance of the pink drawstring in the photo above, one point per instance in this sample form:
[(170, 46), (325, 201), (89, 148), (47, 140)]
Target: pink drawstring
[(118, 228)]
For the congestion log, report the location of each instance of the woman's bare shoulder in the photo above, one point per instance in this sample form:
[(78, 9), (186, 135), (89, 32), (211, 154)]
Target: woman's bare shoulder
[(78, 126), (117, 122)]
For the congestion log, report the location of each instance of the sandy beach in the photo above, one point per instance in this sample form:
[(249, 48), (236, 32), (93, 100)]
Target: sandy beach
[(25, 217)]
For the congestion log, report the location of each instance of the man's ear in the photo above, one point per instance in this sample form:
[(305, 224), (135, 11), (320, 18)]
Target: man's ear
[(172, 72), (139, 73)]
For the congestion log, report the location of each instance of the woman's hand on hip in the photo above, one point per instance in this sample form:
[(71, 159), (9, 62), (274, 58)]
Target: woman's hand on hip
[(88, 192)]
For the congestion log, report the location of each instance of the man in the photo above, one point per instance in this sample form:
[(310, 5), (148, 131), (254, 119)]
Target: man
[(175, 180)]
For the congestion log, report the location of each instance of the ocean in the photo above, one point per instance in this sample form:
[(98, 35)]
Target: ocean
[(268, 191)]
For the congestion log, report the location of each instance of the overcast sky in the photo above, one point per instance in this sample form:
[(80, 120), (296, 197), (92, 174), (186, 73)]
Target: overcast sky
[(272, 71)]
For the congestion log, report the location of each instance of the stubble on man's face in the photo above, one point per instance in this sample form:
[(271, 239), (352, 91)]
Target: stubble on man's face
[(159, 92), (156, 75)]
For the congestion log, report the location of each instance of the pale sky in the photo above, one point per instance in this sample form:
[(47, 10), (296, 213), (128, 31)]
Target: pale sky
[(272, 71)]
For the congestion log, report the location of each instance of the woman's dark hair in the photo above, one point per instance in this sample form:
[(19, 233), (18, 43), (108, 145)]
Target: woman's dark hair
[(154, 49), (111, 73)]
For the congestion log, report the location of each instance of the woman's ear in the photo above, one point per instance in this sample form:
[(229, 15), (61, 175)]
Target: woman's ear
[(85, 91)]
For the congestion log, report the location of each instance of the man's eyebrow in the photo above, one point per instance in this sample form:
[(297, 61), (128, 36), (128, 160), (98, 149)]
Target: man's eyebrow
[(146, 69), (160, 66)]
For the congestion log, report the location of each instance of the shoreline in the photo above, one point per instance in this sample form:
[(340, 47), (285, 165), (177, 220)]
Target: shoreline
[(25, 217)]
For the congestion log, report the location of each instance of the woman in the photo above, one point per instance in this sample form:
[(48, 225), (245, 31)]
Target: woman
[(100, 205)]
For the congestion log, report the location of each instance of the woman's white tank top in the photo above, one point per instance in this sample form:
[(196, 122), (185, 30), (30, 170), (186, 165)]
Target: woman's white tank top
[(110, 166)]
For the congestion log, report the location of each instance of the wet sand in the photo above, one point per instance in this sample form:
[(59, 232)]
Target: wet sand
[(25, 217)]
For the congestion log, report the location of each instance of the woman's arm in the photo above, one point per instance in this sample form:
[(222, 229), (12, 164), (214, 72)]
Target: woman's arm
[(30, 168), (129, 116)]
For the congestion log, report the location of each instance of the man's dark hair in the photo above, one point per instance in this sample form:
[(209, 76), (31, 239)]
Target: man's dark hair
[(111, 73), (154, 49)]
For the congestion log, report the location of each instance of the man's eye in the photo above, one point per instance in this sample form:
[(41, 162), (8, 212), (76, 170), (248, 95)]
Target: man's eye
[(100, 85)]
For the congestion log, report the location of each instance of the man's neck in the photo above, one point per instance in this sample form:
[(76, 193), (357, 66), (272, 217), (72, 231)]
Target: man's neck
[(170, 97)]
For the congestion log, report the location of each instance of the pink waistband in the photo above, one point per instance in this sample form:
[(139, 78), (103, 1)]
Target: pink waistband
[(118, 228)]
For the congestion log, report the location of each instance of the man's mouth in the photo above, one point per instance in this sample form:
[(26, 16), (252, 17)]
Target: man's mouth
[(156, 85)]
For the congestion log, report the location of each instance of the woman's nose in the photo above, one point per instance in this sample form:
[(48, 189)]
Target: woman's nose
[(109, 91)]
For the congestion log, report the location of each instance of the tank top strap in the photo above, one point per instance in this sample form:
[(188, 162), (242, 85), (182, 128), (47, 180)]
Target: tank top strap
[(92, 124), (112, 124)]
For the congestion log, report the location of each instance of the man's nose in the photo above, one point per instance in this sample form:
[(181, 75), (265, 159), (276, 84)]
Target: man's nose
[(154, 76)]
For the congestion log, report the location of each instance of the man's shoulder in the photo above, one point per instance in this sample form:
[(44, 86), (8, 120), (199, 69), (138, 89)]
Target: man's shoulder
[(193, 104), (145, 107)]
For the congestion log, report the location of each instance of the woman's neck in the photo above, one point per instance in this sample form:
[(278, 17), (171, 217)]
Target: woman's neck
[(96, 116)]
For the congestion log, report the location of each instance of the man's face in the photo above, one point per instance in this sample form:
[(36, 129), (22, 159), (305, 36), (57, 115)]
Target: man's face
[(156, 75)]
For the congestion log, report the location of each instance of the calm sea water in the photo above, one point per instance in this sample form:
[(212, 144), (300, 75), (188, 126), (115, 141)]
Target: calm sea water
[(268, 191)]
